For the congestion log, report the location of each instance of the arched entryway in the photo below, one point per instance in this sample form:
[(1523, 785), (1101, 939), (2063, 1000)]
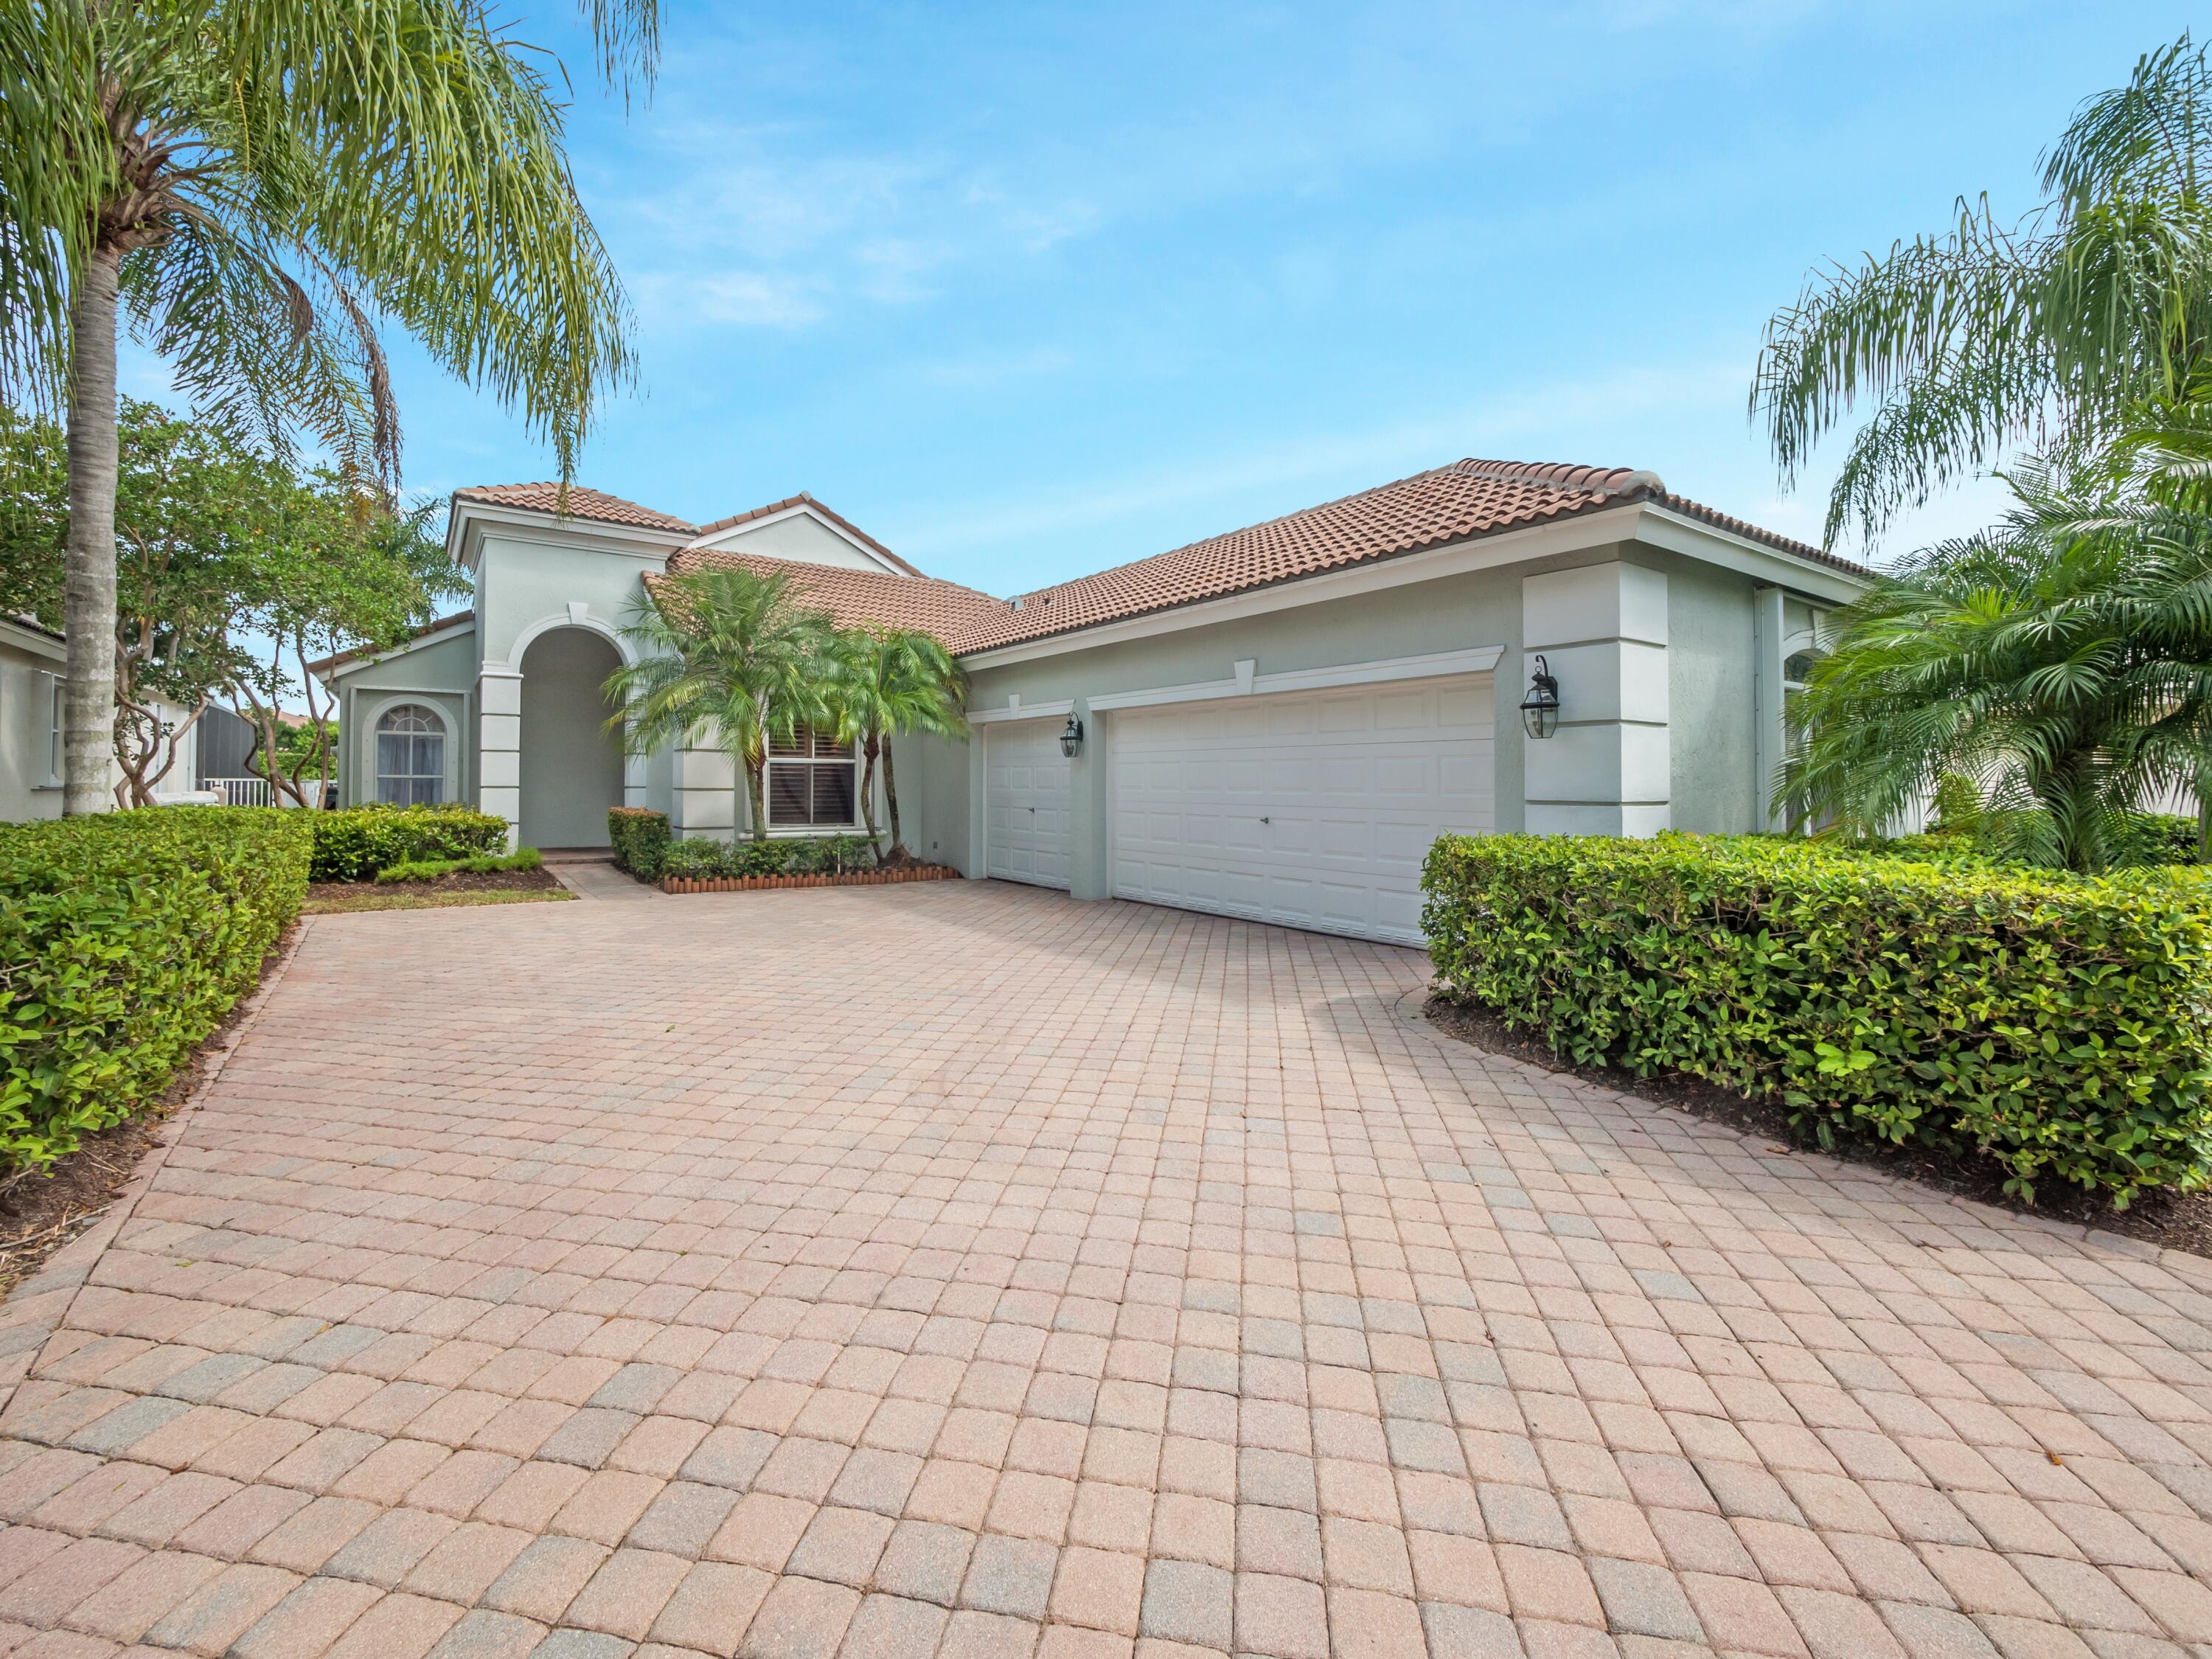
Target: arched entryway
[(572, 766)]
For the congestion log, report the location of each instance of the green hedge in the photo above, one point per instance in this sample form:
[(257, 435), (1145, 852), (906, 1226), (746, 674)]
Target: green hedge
[(483, 864), (124, 939), (2061, 1024), (639, 837), (805, 855), (354, 844)]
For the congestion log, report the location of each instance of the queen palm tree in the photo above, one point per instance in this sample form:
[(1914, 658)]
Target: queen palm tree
[(889, 682), (2047, 332), (252, 185), (2061, 660), (728, 655)]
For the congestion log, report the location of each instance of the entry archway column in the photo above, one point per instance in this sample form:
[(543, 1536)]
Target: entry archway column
[(499, 747)]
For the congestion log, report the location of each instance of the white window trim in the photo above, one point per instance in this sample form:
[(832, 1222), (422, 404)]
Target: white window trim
[(53, 730), (387, 698)]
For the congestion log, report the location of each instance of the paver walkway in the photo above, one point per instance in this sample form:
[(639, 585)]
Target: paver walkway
[(962, 1270)]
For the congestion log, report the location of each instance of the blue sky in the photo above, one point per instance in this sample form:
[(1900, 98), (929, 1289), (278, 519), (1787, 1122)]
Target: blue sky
[(1027, 291)]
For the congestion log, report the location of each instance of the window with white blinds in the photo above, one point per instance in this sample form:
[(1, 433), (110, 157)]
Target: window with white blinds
[(811, 782)]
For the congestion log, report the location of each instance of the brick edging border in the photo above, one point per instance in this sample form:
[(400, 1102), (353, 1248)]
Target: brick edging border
[(759, 884)]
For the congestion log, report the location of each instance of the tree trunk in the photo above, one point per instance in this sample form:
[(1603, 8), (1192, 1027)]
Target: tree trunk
[(88, 599), (890, 804), (869, 750), (756, 785)]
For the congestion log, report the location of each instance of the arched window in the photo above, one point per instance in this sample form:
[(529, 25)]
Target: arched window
[(410, 757)]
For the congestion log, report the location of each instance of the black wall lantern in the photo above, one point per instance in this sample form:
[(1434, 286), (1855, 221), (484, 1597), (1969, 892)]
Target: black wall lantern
[(1070, 736), (1540, 709)]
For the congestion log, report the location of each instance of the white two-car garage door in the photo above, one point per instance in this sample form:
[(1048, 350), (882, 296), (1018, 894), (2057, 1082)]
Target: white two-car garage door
[(1025, 803), (1309, 809)]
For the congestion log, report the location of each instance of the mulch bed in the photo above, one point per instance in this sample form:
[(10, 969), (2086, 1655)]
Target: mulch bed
[(2178, 1221), (491, 881), (39, 1214), (331, 898)]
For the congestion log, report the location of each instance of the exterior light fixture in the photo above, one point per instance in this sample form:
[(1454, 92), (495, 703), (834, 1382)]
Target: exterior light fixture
[(1540, 709), (1070, 736)]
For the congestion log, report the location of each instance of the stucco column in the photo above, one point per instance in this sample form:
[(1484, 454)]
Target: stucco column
[(1603, 631), (1089, 836), (1769, 645), (499, 747), (704, 802)]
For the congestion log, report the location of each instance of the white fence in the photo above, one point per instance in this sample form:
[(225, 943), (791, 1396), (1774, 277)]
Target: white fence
[(243, 791)]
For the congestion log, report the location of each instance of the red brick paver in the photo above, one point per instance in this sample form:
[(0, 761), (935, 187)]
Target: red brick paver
[(960, 1269)]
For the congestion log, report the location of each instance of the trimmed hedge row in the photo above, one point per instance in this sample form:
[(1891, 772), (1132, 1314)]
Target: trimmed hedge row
[(354, 843), (2062, 1025), (639, 837), (806, 855), (481, 864), (124, 939)]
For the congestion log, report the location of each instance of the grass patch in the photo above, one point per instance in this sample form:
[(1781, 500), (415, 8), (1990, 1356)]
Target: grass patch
[(367, 896)]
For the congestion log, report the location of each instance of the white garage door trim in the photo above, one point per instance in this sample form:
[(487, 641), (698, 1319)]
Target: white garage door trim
[(1028, 824), (1478, 659), (1307, 809)]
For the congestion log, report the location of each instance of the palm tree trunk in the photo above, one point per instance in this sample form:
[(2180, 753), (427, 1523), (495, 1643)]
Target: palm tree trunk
[(869, 749), (890, 804), (88, 594), (757, 787)]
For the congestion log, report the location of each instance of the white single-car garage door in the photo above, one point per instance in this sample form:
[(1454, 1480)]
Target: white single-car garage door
[(1025, 803), (1311, 808)]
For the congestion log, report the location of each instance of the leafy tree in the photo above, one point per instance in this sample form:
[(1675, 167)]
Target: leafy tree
[(335, 581), (252, 184), (2061, 660), (2047, 331), (890, 681), (227, 556), (729, 656)]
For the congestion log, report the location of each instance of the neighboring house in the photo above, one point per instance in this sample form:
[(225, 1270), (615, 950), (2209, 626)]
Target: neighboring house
[(30, 663), (1274, 723)]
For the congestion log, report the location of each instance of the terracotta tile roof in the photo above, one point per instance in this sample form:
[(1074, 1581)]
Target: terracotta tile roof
[(945, 609), (1467, 499), (581, 504), (803, 499)]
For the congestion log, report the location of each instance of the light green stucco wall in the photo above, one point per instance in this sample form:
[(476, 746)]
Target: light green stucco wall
[(25, 734), (440, 673), (572, 767), (1710, 704)]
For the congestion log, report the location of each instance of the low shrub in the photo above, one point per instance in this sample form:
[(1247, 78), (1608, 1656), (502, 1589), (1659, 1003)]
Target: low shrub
[(354, 843), (640, 838), (798, 855), (2061, 1024), (124, 939), (484, 864)]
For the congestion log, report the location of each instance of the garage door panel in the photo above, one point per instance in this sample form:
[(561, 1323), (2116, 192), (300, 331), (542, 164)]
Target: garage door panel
[(1355, 787), (1026, 808)]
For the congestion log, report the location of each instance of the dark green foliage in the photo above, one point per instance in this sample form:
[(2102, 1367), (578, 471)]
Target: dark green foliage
[(803, 855), (353, 845), (2060, 1024), (484, 864), (124, 939), (640, 838)]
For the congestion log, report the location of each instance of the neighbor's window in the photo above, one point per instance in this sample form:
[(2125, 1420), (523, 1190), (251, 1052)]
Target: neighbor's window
[(53, 728), (810, 781), (410, 757)]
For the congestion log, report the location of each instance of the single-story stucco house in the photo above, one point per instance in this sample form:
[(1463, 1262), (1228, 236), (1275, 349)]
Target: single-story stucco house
[(1273, 723), (32, 658)]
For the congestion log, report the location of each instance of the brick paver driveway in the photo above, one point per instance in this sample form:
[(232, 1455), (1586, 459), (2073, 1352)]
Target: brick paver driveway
[(962, 1270)]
